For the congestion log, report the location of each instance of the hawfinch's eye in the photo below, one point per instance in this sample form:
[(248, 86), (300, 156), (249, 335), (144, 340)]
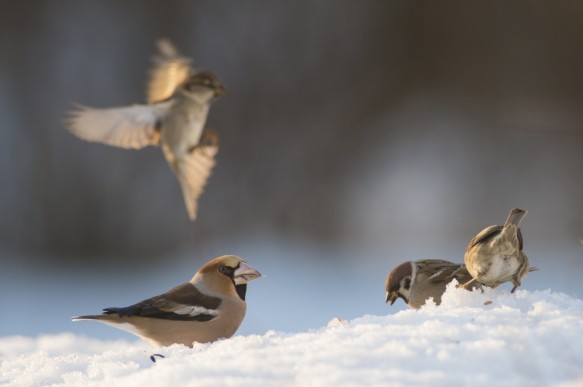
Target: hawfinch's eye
[(225, 269)]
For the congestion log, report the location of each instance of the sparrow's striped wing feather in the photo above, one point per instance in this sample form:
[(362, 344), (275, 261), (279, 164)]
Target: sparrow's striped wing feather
[(131, 127), (184, 303), (169, 71), (445, 271), (485, 235), (490, 232)]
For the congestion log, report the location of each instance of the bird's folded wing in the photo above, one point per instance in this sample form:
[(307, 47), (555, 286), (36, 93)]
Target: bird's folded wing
[(441, 271), (485, 235), (490, 232), (169, 71), (437, 264), (194, 170), (131, 127), (184, 303)]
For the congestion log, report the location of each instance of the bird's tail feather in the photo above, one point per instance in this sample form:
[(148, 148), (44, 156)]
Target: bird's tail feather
[(515, 217), (194, 170)]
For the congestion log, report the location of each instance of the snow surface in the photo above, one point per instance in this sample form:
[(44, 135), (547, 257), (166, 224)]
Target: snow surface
[(522, 339)]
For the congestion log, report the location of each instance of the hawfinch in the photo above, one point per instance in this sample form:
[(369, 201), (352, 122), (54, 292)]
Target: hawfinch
[(495, 255), (179, 99), (416, 281), (209, 307)]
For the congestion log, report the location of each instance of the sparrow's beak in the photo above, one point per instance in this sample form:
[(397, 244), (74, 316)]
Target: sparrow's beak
[(392, 296), (245, 273), (220, 90)]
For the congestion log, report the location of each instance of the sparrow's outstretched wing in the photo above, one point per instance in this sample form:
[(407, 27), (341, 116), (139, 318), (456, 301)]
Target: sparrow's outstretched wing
[(169, 71), (132, 127), (194, 169)]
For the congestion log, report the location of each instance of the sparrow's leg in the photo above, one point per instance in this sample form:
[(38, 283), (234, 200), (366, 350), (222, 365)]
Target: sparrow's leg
[(469, 285), (516, 284), (209, 138), (155, 139), (153, 357)]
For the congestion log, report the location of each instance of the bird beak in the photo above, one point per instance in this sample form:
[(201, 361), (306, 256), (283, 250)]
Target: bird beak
[(220, 90), (245, 273), (392, 296)]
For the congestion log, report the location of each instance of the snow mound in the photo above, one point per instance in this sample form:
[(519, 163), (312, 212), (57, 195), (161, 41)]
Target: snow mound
[(490, 338)]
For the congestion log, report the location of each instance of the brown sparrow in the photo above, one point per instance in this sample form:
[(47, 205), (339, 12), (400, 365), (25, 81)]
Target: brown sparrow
[(495, 255), (209, 307), (179, 98), (416, 281)]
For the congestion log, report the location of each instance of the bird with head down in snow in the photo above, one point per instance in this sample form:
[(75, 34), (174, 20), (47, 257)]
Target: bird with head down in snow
[(417, 281)]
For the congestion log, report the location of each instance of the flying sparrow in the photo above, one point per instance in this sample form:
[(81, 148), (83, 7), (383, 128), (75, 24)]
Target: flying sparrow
[(209, 307), (179, 98), (416, 281), (495, 255)]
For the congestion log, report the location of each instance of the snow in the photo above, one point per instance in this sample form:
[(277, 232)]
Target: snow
[(532, 338)]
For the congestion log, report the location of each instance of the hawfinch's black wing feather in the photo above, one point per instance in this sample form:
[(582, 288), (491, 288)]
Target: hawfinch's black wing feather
[(183, 303)]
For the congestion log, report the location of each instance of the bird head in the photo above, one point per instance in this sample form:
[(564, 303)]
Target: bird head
[(399, 281), (225, 274), (205, 80)]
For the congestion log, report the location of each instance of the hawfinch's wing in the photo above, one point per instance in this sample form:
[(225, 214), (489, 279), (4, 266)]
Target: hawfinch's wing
[(169, 71), (183, 303), (132, 127), (194, 169)]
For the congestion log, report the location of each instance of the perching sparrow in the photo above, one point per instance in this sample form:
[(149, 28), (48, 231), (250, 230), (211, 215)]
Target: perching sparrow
[(179, 98), (416, 281), (495, 255), (209, 307)]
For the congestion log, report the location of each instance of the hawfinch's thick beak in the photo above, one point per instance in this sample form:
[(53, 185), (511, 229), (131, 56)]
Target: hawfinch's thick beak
[(245, 273), (392, 296)]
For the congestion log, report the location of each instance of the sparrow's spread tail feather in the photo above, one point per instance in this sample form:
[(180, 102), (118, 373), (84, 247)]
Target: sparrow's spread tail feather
[(194, 170)]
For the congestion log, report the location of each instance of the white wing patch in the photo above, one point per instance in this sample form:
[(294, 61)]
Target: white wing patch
[(192, 311)]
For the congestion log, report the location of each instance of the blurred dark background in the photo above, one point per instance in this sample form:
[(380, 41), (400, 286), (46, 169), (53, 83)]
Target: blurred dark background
[(355, 135)]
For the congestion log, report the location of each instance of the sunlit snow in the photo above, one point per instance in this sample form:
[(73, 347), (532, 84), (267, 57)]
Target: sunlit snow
[(527, 338)]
